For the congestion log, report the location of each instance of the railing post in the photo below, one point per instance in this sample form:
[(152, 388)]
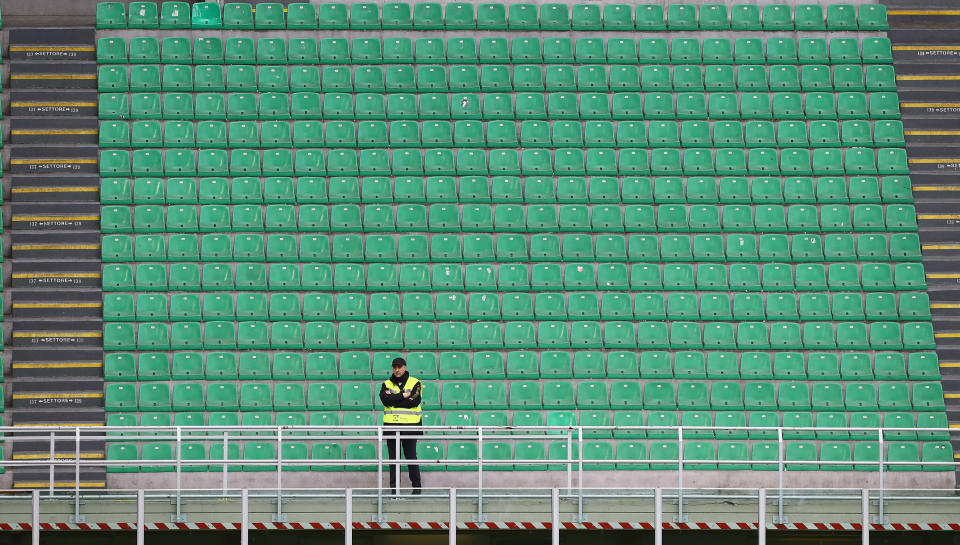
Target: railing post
[(679, 517), (555, 516), (348, 517), (76, 476), (178, 516), (569, 461), (479, 474), (225, 457), (658, 516), (244, 517), (865, 516), (396, 462), (579, 474), (35, 516), (379, 473), (880, 473), (762, 516), (780, 447), (452, 518), (53, 449), (141, 516), (279, 516)]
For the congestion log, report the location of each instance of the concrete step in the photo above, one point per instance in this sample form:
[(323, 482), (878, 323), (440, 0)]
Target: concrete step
[(55, 216), (56, 363), (52, 303), (59, 417), (57, 333), (64, 478), (924, 17), (922, 131), (53, 75), (43, 275), (57, 393), (52, 36), (60, 160), (53, 104), (56, 130), (52, 246)]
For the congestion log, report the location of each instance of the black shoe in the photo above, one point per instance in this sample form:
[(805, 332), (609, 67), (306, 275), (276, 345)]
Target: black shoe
[(392, 491), (416, 491)]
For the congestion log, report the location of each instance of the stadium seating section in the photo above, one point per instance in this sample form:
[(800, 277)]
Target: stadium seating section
[(615, 230)]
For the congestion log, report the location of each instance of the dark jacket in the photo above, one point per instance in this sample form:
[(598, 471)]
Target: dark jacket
[(390, 399)]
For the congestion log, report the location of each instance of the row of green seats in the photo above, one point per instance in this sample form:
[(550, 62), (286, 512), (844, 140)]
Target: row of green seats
[(479, 248), (762, 424), (494, 77), (507, 218), (279, 306), (518, 364), (445, 277), (347, 335), (505, 189), (519, 50), (473, 134), (776, 277), (473, 162), (534, 455), (552, 106), (529, 455), (490, 16), (526, 394)]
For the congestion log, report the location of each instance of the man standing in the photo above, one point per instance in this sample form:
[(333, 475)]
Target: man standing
[(400, 395)]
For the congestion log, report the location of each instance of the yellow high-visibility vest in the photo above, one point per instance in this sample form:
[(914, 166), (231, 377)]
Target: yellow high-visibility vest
[(398, 415)]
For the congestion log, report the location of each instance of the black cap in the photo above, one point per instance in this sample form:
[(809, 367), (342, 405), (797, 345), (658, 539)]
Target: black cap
[(397, 362)]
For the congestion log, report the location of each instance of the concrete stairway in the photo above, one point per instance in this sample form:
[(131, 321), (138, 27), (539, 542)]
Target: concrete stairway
[(57, 363), (926, 48)]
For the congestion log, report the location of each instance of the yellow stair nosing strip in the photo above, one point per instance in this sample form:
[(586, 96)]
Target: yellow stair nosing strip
[(59, 456), (56, 275), (938, 216), (931, 133), (52, 189), (58, 334), (61, 484), (57, 305), (26, 104), (59, 425), (59, 365), (934, 161), (54, 131), (51, 48), (52, 161), (54, 218), (53, 76), (927, 78), (930, 104), (940, 246), (926, 47), (941, 12), (51, 395), (56, 246)]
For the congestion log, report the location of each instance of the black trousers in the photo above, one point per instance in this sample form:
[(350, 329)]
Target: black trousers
[(409, 446)]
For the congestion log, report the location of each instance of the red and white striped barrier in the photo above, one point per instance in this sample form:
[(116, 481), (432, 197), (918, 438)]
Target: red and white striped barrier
[(416, 525)]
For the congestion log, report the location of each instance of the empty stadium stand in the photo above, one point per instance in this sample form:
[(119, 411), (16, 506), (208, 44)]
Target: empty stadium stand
[(579, 214)]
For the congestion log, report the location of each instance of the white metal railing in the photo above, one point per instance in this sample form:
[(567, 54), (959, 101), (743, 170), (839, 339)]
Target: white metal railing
[(573, 436)]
